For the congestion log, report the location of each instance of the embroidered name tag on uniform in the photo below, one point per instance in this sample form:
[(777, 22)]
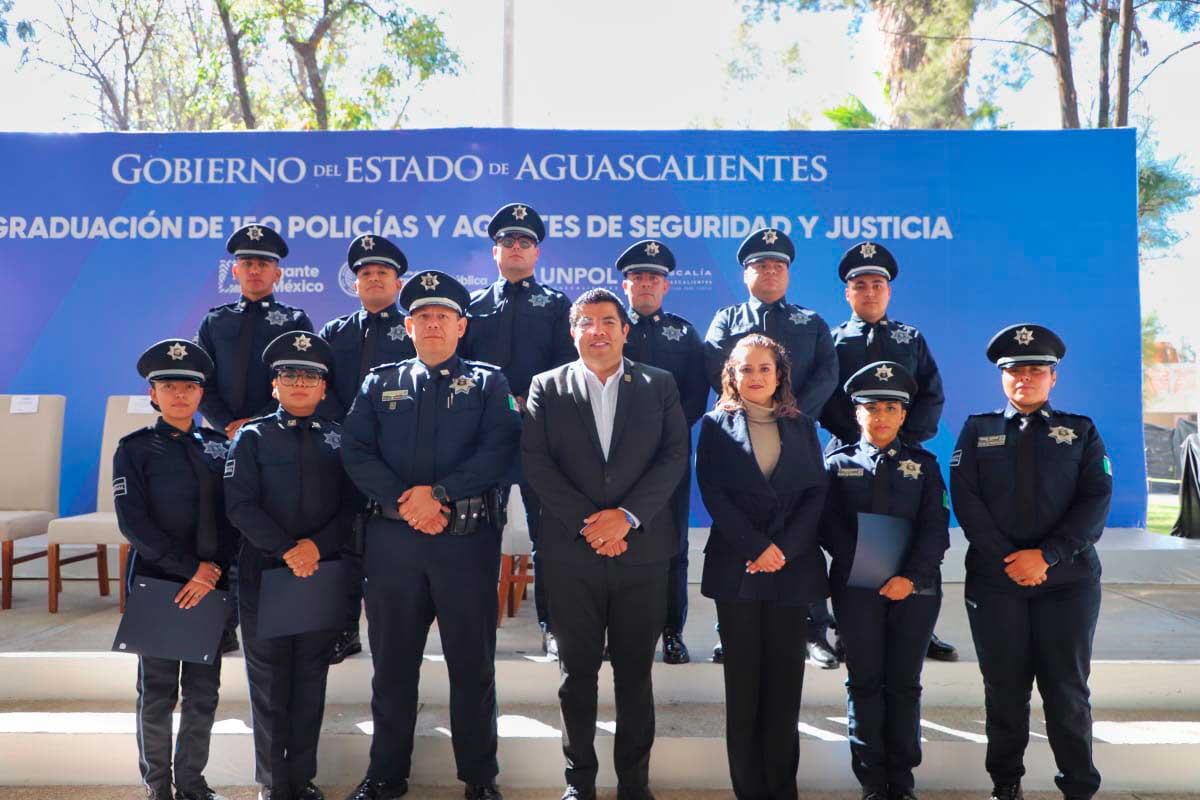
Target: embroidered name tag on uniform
[(230, 466), (394, 395), (847, 472), (991, 441)]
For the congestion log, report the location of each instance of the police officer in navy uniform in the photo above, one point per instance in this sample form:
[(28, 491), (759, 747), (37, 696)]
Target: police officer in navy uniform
[(431, 441), (1031, 487), (765, 257), (885, 629), (169, 503), (868, 270), (286, 491), (235, 334), (667, 341), (522, 327), (371, 336)]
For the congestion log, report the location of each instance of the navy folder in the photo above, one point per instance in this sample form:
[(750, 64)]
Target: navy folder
[(883, 544), (153, 625), (288, 605)]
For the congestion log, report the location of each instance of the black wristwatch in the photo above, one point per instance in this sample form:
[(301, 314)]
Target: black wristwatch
[(439, 494)]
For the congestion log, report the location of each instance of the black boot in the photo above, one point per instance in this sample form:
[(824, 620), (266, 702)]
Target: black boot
[(347, 644), (940, 651), (674, 650)]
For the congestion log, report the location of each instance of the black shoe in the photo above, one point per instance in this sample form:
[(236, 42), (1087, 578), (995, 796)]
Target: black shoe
[(640, 793), (482, 791), (347, 644), (578, 793), (718, 656), (159, 793), (202, 792), (674, 650), (1010, 791), (229, 641), (549, 645), (940, 651), (378, 790), (902, 794), (310, 792), (820, 654), (872, 795)]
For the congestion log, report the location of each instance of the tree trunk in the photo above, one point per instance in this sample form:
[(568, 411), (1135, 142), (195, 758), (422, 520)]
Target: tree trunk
[(238, 62), (1125, 44), (306, 52), (1106, 26), (927, 77), (1061, 35)]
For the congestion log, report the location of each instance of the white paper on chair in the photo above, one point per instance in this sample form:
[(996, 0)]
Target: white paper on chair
[(23, 404), (140, 404)]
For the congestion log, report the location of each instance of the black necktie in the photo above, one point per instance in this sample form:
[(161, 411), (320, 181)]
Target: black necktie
[(646, 324), (508, 316), (310, 472), (1026, 474), (773, 320), (206, 515), (425, 455), (874, 344), (242, 365), (369, 344), (880, 486)]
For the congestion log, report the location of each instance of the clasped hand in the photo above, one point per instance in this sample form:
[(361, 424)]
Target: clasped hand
[(203, 582), (1026, 567), (605, 531), (771, 560), (303, 559), (421, 511)]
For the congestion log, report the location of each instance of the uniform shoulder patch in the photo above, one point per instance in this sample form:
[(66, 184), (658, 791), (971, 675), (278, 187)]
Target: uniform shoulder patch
[(1108, 466), (956, 458), (119, 487)]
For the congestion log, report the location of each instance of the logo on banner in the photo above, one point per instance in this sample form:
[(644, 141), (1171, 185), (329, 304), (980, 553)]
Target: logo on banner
[(295, 280), (346, 279)]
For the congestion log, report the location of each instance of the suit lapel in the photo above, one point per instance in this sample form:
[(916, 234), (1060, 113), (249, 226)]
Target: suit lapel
[(624, 402), (579, 394), (784, 468)]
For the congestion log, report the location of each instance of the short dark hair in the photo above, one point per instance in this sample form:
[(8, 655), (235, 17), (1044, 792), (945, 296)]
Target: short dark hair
[(592, 296)]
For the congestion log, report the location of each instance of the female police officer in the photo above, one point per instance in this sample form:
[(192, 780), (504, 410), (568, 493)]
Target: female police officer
[(885, 628), (168, 499), (1031, 486)]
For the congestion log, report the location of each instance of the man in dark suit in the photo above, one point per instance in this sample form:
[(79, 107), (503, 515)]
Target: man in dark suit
[(604, 446)]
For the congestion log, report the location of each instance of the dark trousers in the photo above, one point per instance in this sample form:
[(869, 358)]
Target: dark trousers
[(764, 678), (885, 643), (158, 688), (1021, 636), (677, 574), (287, 699), (356, 574), (628, 603), (533, 518), (414, 578), (820, 620)]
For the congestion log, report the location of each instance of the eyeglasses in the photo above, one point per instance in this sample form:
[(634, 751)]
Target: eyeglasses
[(299, 377), (509, 242)]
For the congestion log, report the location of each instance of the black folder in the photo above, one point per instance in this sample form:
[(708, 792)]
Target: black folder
[(153, 625), (288, 605), (883, 544)]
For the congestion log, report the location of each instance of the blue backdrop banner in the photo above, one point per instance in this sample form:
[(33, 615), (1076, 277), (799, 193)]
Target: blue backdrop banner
[(109, 242)]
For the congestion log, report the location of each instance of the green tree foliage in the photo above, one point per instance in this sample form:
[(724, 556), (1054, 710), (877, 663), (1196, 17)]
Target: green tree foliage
[(220, 64)]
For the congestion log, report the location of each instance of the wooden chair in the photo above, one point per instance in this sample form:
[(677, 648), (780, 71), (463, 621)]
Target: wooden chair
[(99, 528), (515, 562), (29, 477)]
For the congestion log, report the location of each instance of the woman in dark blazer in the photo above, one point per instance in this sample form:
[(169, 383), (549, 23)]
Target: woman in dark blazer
[(885, 627), (762, 478)]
